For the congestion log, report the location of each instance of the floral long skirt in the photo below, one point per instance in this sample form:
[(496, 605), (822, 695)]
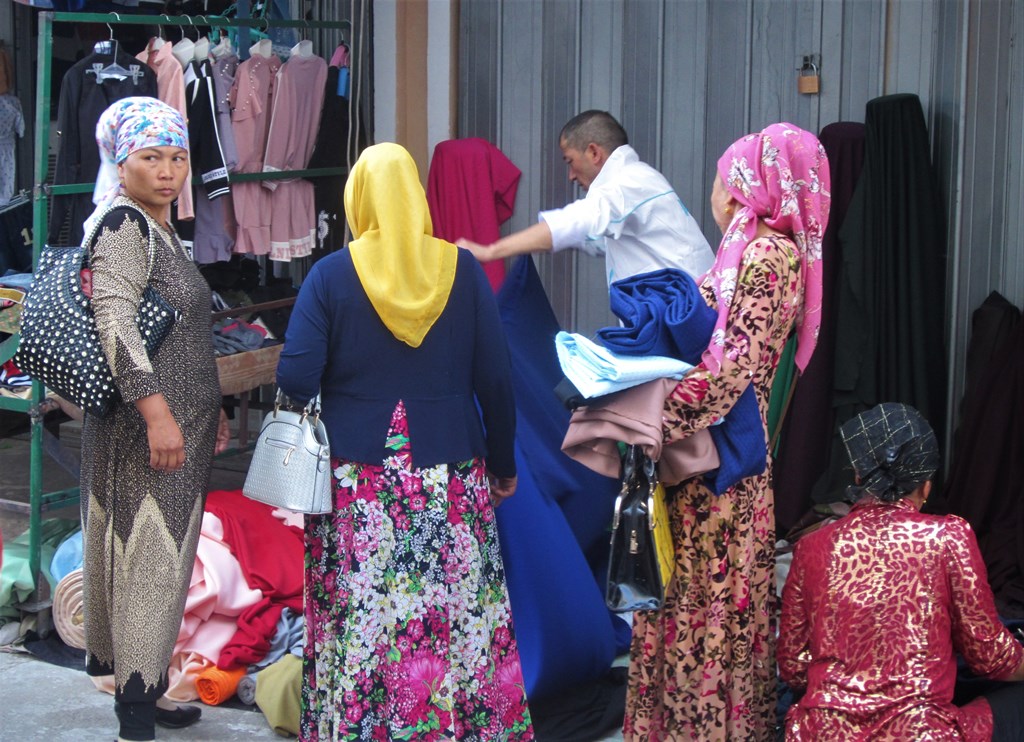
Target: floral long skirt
[(408, 627)]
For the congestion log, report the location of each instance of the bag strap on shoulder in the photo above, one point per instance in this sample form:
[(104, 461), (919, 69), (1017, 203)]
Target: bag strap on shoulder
[(90, 239)]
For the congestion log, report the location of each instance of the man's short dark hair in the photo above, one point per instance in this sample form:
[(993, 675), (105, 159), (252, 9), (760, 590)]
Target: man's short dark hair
[(599, 127)]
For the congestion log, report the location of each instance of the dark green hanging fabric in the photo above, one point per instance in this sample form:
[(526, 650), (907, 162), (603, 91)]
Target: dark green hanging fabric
[(782, 393), (891, 314)]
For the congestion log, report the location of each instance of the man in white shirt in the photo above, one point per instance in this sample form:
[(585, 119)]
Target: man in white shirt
[(630, 214)]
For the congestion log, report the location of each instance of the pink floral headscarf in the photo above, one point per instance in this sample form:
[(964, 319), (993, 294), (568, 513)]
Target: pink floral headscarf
[(781, 177)]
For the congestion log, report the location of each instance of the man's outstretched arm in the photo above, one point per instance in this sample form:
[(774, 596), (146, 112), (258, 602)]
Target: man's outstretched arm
[(535, 238)]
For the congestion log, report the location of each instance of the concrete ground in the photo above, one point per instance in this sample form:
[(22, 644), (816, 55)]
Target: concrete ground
[(43, 701)]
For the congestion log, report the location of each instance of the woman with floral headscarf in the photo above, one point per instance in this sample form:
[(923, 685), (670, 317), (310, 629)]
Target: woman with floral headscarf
[(408, 624), (702, 667), (146, 466)]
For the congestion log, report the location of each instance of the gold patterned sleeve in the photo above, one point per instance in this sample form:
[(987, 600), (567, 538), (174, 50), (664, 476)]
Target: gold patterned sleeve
[(769, 272), (794, 648), (120, 270), (978, 635)]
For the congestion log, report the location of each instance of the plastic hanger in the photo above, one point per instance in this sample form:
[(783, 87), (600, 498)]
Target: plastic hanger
[(262, 48), (184, 50), (224, 47), (157, 41), (201, 49), (113, 71), (303, 49)]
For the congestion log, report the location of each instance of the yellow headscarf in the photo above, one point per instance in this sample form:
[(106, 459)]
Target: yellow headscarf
[(406, 272)]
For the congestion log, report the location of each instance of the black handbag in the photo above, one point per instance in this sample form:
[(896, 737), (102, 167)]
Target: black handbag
[(60, 344), (634, 573)]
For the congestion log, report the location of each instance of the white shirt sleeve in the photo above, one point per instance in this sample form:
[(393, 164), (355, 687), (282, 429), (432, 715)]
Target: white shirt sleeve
[(583, 224)]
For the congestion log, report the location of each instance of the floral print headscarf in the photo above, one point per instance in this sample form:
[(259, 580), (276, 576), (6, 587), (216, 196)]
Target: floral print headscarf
[(779, 176), (128, 125)]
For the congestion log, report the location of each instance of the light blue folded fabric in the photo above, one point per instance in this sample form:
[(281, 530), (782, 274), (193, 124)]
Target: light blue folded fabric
[(287, 636), (246, 690), (596, 371)]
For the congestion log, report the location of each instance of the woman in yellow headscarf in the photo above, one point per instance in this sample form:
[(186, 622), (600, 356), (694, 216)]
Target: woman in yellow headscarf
[(408, 627)]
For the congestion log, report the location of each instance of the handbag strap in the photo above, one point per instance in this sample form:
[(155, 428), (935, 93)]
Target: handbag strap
[(91, 237), (311, 408)]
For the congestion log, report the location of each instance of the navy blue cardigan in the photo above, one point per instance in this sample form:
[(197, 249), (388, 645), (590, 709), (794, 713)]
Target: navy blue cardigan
[(336, 343)]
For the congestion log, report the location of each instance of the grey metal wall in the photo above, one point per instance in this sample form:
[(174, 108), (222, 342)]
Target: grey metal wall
[(687, 77)]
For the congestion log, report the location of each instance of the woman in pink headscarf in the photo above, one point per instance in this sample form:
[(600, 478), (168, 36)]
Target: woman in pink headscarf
[(702, 667)]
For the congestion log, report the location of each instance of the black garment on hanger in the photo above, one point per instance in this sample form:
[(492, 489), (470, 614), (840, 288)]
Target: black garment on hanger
[(329, 151), (807, 433), (892, 280), (16, 238), (206, 153), (82, 101)]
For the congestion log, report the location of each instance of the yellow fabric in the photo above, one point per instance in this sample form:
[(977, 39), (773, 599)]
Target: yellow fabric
[(406, 272), (278, 692), (663, 535)]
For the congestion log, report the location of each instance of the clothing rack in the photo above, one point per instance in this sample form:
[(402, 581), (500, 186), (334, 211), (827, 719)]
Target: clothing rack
[(40, 502)]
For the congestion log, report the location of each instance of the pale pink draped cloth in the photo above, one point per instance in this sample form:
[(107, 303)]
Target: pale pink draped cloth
[(633, 416), (779, 176)]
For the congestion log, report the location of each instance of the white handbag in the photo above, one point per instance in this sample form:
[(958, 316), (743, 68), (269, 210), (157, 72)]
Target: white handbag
[(291, 463)]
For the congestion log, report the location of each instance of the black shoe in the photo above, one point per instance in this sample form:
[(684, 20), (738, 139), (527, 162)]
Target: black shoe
[(182, 716)]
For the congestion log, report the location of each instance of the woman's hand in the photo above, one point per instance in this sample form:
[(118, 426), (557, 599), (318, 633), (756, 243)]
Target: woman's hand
[(166, 443), (223, 434), (501, 488)]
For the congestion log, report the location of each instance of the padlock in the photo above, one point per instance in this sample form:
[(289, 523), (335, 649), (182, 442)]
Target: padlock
[(809, 80)]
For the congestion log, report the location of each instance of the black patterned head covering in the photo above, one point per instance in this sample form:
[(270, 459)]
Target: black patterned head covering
[(892, 449)]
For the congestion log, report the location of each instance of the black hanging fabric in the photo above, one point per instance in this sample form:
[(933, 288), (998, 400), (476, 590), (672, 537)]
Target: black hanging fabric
[(807, 432), (82, 101), (891, 310), (986, 476), (330, 151)]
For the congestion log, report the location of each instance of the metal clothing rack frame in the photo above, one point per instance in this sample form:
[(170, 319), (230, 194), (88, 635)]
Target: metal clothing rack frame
[(41, 440)]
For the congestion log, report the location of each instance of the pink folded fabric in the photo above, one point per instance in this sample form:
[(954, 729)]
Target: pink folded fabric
[(634, 416)]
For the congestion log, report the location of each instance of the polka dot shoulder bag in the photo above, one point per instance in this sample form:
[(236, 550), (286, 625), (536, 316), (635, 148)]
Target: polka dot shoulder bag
[(60, 344)]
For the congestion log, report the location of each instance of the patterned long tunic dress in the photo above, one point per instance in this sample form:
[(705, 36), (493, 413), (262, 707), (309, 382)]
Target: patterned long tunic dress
[(702, 668), (141, 526)]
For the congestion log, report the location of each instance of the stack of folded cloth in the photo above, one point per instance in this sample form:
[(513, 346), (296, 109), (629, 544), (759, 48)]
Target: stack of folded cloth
[(663, 314), (235, 336), (596, 371)]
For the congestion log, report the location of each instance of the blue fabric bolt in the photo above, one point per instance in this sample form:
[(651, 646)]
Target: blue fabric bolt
[(663, 313)]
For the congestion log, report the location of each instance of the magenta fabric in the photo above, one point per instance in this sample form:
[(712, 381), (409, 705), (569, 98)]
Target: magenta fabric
[(471, 191), (779, 176)]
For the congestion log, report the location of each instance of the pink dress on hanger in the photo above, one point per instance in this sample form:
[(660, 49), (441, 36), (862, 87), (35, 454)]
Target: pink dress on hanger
[(251, 97), (170, 84), (298, 100)]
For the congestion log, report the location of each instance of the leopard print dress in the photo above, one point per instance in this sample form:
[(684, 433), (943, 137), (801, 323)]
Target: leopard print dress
[(141, 526), (703, 667)]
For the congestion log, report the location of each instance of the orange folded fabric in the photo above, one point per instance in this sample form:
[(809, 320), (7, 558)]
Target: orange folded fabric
[(215, 686)]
